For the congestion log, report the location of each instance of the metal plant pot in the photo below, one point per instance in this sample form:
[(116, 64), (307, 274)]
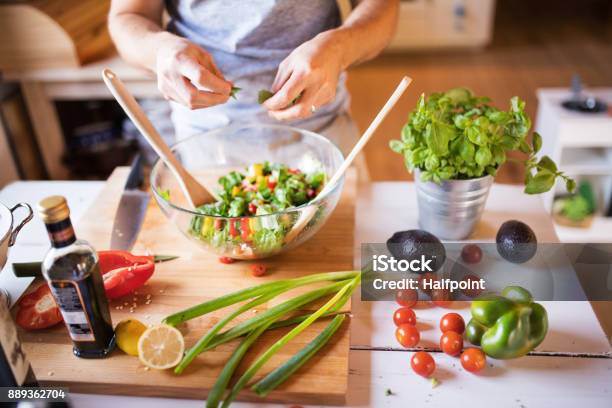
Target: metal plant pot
[(451, 210)]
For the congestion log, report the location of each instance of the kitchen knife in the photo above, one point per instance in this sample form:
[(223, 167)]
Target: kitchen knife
[(131, 211), (34, 269)]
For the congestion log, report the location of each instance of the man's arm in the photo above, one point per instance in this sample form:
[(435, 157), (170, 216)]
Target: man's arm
[(367, 30), (312, 70), (185, 72)]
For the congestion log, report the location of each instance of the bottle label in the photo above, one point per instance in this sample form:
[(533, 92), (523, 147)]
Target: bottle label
[(69, 299), (11, 346)]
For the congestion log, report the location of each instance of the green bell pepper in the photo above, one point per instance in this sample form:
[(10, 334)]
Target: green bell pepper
[(507, 326)]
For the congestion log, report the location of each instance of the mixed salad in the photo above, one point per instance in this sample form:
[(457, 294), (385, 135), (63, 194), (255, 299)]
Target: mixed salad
[(265, 188)]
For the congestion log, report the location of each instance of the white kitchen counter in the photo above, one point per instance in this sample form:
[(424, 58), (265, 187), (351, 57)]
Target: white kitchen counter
[(572, 367)]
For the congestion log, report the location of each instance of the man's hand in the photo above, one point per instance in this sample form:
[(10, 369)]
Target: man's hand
[(188, 75), (311, 73)]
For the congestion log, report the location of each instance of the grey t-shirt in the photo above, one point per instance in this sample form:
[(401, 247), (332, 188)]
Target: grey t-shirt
[(248, 39)]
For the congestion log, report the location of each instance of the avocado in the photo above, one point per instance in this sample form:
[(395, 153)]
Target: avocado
[(516, 241), (413, 244)]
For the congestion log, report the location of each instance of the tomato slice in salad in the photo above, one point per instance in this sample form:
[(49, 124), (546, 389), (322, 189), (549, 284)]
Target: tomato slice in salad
[(38, 310)]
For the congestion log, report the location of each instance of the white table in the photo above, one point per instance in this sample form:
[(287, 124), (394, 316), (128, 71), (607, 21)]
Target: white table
[(573, 366)]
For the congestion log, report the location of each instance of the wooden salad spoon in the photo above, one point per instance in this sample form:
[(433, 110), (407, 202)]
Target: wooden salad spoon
[(308, 212), (195, 193)]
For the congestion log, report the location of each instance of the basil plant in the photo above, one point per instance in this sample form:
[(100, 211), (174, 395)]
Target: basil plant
[(455, 136)]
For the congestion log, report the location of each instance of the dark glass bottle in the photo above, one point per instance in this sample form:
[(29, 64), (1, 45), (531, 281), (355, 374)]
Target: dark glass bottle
[(15, 369), (73, 274)]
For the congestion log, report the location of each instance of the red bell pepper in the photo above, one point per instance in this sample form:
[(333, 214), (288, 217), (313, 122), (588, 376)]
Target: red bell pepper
[(38, 310), (271, 184), (233, 231), (123, 272)]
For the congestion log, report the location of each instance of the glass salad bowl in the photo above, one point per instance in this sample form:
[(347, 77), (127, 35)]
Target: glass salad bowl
[(211, 155)]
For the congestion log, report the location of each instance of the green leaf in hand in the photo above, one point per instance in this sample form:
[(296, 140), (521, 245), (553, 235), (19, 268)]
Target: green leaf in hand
[(264, 95), (235, 91)]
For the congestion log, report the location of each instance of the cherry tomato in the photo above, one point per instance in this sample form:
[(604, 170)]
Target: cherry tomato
[(451, 343), (271, 184), (219, 223), (429, 277), (471, 293), (258, 270), (252, 207), (407, 335), (233, 229), (423, 363), (452, 322), (245, 229), (226, 260), (473, 360), (441, 297), (471, 254), (38, 310), (404, 315), (407, 297)]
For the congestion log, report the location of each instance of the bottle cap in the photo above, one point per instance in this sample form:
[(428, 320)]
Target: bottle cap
[(53, 209)]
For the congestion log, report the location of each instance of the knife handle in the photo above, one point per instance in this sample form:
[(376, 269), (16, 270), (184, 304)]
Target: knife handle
[(27, 269)]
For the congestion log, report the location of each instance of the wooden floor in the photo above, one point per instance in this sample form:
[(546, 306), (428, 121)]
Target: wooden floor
[(527, 52)]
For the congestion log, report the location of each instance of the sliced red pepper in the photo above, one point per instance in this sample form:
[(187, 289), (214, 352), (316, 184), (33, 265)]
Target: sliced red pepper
[(38, 310), (123, 272)]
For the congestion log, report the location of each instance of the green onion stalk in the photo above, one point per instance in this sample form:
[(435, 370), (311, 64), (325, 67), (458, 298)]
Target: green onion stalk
[(269, 316), (248, 293), (262, 359)]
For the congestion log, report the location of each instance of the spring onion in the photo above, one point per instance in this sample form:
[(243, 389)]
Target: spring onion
[(282, 373), (266, 317), (216, 392), (262, 359), (203, 342), (229, 335), (248, 293)]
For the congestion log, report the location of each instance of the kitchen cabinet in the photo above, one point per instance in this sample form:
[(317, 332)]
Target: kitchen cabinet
[(581, 144)]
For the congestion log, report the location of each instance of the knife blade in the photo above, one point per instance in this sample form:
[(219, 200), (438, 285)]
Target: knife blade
[(131, 211)]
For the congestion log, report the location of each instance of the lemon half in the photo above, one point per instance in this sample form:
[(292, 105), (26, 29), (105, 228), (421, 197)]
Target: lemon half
[(128, 333), (161, 347)]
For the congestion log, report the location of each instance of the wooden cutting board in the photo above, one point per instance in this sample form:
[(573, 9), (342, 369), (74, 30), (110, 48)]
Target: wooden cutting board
[(193, 278)]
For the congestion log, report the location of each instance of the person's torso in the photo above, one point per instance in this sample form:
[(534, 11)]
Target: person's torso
[(248, 39)]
